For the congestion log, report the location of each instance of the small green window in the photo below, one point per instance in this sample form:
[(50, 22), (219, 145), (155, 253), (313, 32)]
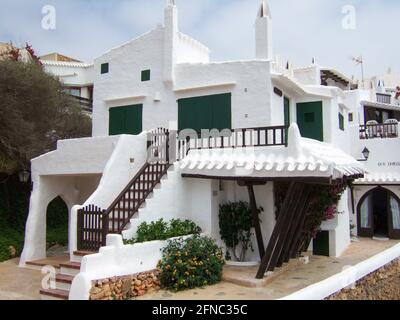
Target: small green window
[(351, 118), (146, 75), (105, 68), (341, 122)]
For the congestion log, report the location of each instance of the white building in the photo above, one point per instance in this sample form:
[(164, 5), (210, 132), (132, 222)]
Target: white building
[(76, 77), (165, 79)]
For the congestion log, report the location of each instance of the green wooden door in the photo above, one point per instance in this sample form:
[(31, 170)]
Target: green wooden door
[(286, 105), (126, 120), (207, 112), (310, 120), (321, 244)]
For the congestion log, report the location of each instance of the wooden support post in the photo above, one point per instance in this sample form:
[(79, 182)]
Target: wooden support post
[(256, 221), (265, 262), (288, 218), (299, 211)]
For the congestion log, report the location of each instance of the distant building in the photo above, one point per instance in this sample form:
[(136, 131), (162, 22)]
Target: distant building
[(76, 76)]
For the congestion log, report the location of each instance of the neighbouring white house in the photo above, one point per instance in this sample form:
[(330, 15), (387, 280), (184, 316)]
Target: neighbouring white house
[(302, 126), (76, 76)]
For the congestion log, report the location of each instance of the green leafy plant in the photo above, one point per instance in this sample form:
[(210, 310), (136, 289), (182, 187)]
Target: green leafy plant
[(190, 263), (162, 230), (235, 224)]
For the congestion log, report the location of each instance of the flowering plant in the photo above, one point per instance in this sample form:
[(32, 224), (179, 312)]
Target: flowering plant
[(190, 263)]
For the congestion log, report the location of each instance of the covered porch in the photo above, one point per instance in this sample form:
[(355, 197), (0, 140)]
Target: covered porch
[(302, 165)]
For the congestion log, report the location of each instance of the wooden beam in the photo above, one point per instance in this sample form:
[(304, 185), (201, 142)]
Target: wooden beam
[(253, 180), (256, 221), (296, 197), (301, 210), (276, 233)]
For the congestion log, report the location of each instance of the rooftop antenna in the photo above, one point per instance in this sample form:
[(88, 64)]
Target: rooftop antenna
[(360, 61)]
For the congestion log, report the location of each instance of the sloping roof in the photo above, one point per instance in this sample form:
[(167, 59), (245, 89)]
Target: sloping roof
[(58, 57), (66, 64), (302, 158), (379, 178)]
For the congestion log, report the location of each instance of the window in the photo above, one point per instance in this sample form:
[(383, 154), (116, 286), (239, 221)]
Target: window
[(351, 117), (341, 122), (76, 92), (105, 68), (145, 75)]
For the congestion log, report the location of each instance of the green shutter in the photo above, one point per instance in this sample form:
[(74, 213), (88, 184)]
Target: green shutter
[(310, 120), (286, 103), (126, 120), (105, 68), (341, 122), (146, 75), (206, 112)]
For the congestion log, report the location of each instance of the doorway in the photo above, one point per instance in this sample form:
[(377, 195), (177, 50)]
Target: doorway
[(379, 214)]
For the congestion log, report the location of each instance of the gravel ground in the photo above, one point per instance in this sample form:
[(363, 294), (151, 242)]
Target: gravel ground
[(383, 284)]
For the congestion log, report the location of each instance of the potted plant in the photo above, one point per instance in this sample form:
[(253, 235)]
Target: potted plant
[(236, 224)]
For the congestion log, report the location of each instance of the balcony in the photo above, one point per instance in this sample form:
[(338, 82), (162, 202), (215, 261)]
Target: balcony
[(379, 131), (85, 104), (383, 98)]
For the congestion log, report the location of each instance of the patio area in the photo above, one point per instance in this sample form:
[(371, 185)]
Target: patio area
[(24, 284), (294, 276)]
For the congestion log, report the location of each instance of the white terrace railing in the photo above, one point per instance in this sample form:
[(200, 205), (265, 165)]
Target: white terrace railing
[(379, 131)]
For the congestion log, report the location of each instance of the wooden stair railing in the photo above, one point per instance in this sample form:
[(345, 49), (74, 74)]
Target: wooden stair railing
[(94, 223)]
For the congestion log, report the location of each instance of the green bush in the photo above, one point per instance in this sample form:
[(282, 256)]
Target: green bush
[(10, 237), (190, 263), (235, 224), (161, 230)]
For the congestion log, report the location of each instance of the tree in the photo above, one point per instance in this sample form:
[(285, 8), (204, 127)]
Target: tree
[(35, 113)]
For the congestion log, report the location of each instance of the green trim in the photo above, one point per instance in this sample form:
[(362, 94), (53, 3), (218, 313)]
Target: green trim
[(146, 75), (310, 120), (321, 244), (105, 68), (341, 121), (205, 112), (126, 120)]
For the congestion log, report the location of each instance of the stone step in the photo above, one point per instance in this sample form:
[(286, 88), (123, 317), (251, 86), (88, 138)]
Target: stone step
[(70, 268), (64, 281), (54, 294)]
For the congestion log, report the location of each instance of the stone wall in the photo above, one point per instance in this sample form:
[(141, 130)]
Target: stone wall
[(122, 288), (383, 284)]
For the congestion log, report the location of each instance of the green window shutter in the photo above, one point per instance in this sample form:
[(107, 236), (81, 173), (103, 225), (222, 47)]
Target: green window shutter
[(146, 75), (341, 121), (126, 120), (310, 120), (206, 112), (286, 103), (105, 68)]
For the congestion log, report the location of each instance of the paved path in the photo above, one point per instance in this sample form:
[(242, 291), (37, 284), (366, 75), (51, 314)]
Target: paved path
[(294, 278), (24, 284), (17, 283)]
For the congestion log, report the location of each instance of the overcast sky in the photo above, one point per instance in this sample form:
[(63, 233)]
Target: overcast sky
[(302, 28)]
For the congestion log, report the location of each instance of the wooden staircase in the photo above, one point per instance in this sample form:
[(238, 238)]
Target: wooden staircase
[(95, 223)]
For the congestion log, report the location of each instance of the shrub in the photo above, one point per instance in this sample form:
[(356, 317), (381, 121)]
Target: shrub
[(235, 224), (161, 230), (190, 263)]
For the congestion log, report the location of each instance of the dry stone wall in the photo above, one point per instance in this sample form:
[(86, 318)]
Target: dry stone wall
[(127, 287)]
